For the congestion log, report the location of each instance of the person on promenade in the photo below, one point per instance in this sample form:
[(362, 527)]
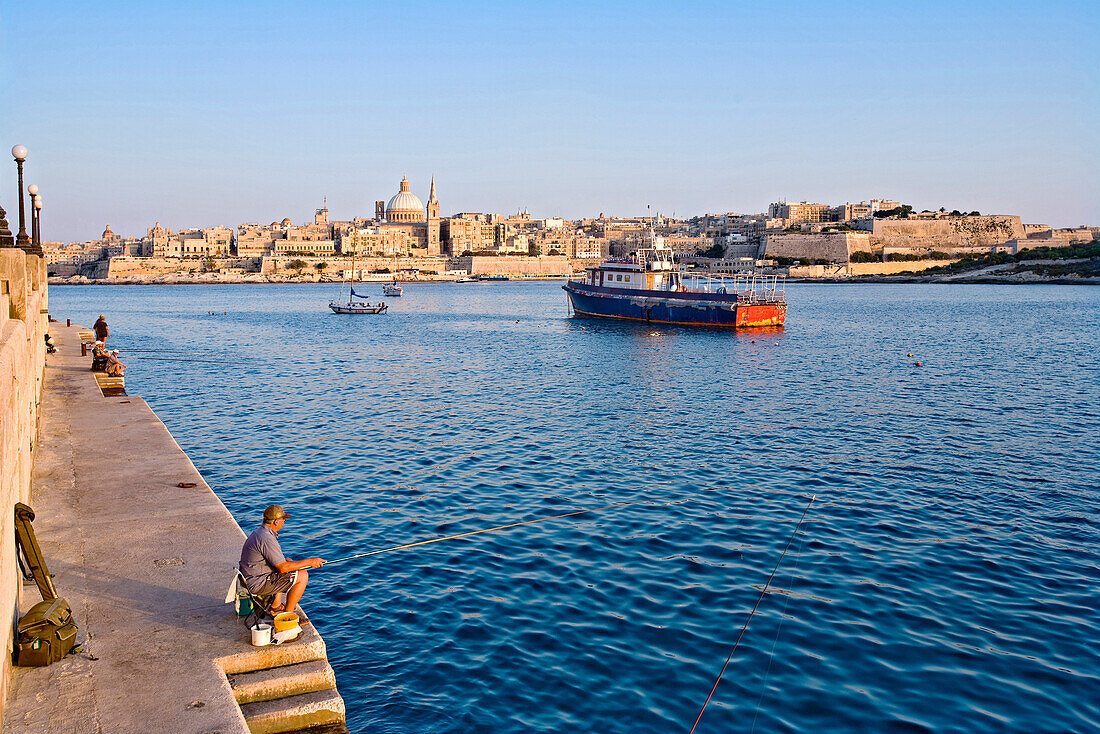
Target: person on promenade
[(99, 356), (267, 571), (114, 367), (101, 330)]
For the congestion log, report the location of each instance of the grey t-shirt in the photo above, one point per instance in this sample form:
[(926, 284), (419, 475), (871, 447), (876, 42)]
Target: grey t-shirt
[(260, 553)]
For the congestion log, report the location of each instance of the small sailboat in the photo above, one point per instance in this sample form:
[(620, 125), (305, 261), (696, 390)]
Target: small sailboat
[(391, 289), (355, 303)]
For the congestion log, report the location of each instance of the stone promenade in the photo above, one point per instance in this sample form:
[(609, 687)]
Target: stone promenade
[(145, 564)]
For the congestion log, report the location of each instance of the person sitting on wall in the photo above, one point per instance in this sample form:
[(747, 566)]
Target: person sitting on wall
[(114, 367), (267, 571), (99, 357)]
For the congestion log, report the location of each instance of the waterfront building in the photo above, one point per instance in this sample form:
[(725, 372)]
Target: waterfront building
[(378, 241), (255, 240), (849, 212), (470, 232), (155, 241), (799, 211), (208, 242), (408, 226)]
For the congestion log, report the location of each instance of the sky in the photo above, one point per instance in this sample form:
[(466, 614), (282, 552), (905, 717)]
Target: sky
[(204, 113)]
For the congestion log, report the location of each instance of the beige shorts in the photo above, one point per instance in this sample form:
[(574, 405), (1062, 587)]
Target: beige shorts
[(273, 583)]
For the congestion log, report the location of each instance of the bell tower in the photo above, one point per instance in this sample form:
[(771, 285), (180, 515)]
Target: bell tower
[(434, 249)]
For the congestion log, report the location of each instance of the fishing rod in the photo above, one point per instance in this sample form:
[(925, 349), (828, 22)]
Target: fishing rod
[(171, 351), (183, 359), (476, 532), (746, 625)]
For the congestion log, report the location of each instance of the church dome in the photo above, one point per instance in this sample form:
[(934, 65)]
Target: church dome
[(405, 206)]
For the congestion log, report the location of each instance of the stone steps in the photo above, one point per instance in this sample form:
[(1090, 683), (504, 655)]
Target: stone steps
[(273, 683), (295, 713), (287, 688), (110, 386)]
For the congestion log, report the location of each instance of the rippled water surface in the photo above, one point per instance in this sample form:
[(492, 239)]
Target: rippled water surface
[(945, 579)]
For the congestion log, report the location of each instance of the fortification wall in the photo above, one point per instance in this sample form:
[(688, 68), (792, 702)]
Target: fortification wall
[(850, 269), (926, 235), (23, 326), (545, 265), (336, 264), (832, 246), (122, 267)]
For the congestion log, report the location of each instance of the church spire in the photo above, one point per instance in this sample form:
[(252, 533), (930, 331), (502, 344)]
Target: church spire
[(433, 202)]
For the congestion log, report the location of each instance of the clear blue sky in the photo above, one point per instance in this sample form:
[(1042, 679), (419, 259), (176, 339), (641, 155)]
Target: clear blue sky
[(204, 113)]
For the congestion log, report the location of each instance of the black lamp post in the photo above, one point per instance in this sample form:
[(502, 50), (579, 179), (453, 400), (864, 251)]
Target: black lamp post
[(32, 190), (37, 229), (19, 153)]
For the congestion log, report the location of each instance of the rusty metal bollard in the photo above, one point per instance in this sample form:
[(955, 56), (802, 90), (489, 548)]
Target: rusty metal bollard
[(68, 322)]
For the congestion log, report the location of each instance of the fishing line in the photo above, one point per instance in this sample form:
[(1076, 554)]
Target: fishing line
[(754, 608), (782, 619), (128, 350), (485, 530), (182, 359)]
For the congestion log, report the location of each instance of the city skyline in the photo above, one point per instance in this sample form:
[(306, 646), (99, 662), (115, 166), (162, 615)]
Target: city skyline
[(212, 115)]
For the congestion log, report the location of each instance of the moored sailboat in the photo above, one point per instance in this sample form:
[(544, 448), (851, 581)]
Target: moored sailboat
[(354, 303)]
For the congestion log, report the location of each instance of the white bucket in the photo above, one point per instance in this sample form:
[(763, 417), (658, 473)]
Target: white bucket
[(261, 634)]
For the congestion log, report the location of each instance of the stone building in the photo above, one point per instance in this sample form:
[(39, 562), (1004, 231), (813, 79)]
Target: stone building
[(471, 232), (800, 211), (406, 213)]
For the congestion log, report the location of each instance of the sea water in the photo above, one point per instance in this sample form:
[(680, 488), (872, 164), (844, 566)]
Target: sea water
[(945, 578)]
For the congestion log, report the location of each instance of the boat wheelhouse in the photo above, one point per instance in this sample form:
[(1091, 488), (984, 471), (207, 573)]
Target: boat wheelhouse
[(649, 286)]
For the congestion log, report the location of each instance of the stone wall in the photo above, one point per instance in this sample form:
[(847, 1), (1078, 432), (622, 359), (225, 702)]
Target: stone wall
[(947, 235), (832, 246), (121, 267), (850, 269), (23, 326), (336, 264), (546, 265)]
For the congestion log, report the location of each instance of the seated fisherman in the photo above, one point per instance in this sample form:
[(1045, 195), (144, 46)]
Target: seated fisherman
[(267, 571), (114, 367), (99, 356)]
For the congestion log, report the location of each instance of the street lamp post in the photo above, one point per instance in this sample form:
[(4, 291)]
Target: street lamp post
[(19, 153), (38, 227), (32, 190)]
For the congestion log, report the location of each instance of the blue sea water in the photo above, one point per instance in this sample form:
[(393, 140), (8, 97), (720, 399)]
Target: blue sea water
[(945, 578)]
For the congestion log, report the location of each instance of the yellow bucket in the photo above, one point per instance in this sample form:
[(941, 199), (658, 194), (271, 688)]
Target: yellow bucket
[(285, 621)]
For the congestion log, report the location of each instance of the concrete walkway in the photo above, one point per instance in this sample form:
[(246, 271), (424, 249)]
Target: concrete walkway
[(145, 565)]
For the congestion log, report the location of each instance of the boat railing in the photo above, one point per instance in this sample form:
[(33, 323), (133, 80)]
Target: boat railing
[(747, 287)]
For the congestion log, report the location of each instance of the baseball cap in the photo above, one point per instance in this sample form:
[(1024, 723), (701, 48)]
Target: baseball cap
[(274, 512)]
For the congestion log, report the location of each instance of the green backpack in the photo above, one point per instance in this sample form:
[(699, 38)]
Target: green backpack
[(45, 634)]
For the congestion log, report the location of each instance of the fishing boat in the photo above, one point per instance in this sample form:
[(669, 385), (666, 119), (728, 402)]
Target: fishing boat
[(650, 286), (391, 289), (354, 303)]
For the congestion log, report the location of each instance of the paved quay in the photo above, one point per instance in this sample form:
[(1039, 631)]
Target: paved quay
[(145, 565)]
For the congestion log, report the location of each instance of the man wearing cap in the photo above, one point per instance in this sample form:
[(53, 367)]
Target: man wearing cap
[(114, 367), (267, 571)]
